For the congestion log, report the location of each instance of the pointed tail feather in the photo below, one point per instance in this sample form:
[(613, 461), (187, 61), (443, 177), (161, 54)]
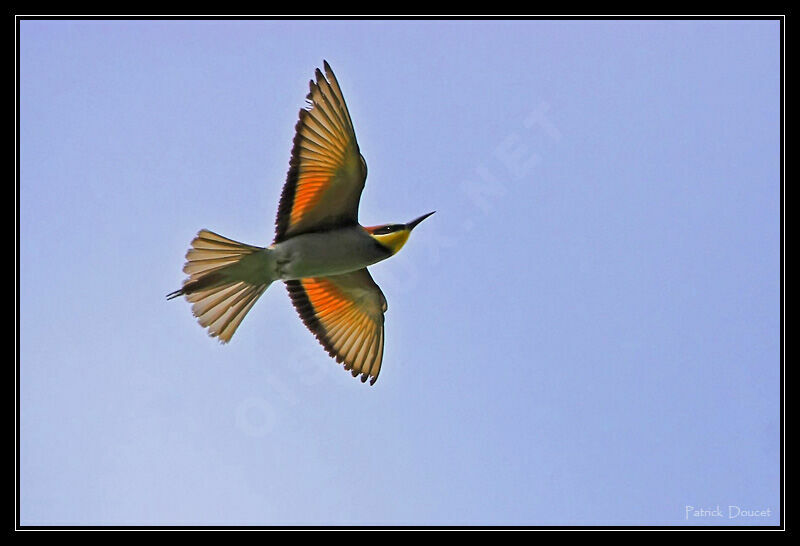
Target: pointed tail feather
[(225, 279)]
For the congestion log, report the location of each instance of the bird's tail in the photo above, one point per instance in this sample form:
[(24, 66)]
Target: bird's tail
[(225, 279)]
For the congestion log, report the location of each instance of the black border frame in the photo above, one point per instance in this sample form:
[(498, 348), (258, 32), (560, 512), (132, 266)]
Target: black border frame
[(18, 527)]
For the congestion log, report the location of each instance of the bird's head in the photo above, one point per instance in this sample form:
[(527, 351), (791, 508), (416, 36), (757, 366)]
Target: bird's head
[(394, 236)]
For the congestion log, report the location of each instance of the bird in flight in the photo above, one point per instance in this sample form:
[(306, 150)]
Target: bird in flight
[(320, 251)]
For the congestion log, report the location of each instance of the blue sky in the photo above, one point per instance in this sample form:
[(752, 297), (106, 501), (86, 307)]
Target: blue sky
[(587, 332)]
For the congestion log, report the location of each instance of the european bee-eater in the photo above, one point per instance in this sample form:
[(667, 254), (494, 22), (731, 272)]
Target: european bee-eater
[(320, 250)]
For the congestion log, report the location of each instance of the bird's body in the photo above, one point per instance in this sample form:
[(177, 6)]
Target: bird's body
[(320, 250), (327, 253)]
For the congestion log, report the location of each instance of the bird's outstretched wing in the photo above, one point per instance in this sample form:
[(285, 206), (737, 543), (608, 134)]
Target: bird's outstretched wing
[(326, 171), (345, 313)]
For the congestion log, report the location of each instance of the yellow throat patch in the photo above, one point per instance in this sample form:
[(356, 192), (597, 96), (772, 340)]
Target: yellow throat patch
[(393, 241)]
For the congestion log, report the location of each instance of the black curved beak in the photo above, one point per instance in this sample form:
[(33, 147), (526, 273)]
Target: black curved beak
[(412, 224)]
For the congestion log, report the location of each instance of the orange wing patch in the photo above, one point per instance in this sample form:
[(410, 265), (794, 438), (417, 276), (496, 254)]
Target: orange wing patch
[(345, 313), (325, 156)]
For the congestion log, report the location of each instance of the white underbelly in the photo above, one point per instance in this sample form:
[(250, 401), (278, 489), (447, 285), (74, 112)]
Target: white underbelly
[(327, 253)]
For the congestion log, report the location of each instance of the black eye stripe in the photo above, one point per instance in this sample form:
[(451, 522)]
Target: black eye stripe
[(389, 229)]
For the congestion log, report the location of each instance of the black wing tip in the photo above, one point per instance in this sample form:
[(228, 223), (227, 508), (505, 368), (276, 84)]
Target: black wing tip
[(328, 70), (364, 376)]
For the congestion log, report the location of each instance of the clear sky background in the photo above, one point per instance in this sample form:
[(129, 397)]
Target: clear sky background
[(587, 332)]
